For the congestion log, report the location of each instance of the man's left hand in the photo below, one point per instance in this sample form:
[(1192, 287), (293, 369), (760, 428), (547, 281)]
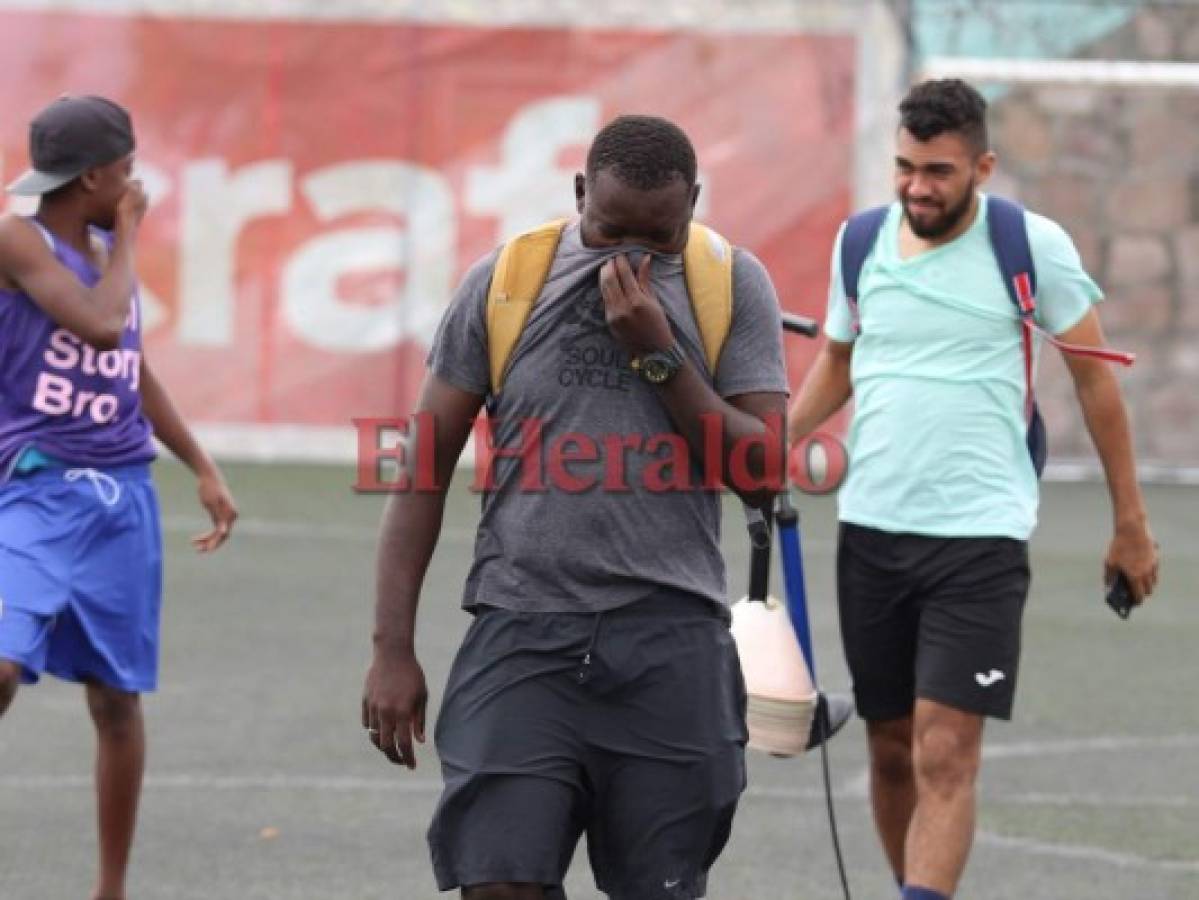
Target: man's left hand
[(634, 314), (1133, 552), (217, 499)]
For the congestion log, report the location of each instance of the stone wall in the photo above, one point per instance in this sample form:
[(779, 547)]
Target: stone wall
[(1119, 168)]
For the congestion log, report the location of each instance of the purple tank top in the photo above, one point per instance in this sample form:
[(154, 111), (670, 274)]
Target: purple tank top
[(61, 396)]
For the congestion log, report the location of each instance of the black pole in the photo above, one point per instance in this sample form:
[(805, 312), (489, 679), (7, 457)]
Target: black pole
[(759, 558)]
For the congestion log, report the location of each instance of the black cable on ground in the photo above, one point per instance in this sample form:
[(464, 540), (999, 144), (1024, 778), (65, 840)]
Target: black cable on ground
[(826, 727)]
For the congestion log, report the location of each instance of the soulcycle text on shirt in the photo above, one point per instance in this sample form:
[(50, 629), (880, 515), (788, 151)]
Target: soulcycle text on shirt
[(398, 455)]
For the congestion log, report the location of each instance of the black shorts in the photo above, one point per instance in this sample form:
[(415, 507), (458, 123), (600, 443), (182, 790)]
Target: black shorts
[(628, 725), (931, 617)]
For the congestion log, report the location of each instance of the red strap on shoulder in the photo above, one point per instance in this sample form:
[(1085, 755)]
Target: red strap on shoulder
[(1029, 326), (854, 315), (1028, 303), (1104, 353), (1028, 309)]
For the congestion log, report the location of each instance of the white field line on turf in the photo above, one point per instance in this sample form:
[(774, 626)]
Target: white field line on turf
[(291, 529), (1084, 853), (285, 529), (330, 783), (297, 529), (351, 784), (424, 787), (1027, 799), (200, 781), (1109, 743), (858, 784), (1039, 798)]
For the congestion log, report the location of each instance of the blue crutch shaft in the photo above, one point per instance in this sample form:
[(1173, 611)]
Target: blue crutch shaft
[(787, 522)]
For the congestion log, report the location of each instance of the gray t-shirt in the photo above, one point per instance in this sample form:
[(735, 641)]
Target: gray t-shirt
[(606, 530)]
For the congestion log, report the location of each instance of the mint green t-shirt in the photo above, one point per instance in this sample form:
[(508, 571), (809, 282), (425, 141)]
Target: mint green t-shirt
[(937, 441)]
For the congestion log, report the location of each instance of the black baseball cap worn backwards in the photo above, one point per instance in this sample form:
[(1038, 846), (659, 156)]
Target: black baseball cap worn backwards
[(70, 136)]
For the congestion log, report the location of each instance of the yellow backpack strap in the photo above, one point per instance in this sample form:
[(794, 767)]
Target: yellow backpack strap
[(520, 273), (708, 269)]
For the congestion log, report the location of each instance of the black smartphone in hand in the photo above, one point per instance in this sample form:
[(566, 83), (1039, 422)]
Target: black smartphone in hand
[(1119, 596)]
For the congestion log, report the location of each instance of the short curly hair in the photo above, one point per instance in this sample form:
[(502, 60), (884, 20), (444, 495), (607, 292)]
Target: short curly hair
[(644, 152), (946, 105)]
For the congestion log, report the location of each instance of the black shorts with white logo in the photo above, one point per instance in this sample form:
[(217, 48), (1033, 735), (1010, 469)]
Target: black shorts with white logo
[(931, 617)]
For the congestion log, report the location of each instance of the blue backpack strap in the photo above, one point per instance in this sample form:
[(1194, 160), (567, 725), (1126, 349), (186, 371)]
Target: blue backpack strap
[(857, 240), (1009, 240), (1013, 253)]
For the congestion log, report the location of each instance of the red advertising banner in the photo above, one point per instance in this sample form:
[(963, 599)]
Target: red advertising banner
[(319, 188)]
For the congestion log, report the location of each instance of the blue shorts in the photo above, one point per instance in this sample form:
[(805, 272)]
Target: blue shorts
[(81, 575)]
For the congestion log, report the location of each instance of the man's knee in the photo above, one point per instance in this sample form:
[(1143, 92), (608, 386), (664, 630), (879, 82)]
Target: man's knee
[(947, 756), (891, 751), (117, 714), (503, 892), (10, 680)]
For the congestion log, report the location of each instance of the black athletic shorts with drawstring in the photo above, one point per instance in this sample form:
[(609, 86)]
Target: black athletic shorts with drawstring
[(628, 725)]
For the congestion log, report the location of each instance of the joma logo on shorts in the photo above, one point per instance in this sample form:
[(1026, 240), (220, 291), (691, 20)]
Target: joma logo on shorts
[(986, 679)]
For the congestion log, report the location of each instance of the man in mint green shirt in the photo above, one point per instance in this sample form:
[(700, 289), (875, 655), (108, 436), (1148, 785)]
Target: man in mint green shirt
[(932, 563), (938, 434)]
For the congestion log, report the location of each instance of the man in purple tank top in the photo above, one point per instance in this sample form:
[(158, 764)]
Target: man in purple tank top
[(80, 544)]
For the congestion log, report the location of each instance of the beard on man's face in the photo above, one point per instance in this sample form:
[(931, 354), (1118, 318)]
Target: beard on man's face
[(938, 221)]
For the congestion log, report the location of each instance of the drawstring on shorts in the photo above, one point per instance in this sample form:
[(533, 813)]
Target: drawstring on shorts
[(583, 674), (107, 488)]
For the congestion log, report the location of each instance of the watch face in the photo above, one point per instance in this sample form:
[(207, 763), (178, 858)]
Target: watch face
[(656, 370)]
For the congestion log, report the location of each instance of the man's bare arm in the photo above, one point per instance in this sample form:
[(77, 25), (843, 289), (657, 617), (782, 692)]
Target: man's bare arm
[(1132, 550), (393, 705), (96, 315), (825, 389), (170, 428), (690, 401)]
